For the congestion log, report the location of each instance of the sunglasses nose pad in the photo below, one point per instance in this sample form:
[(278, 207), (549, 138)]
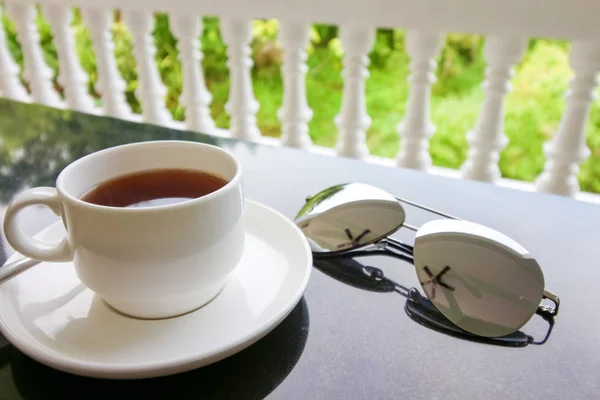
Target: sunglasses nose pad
[(481, 280)]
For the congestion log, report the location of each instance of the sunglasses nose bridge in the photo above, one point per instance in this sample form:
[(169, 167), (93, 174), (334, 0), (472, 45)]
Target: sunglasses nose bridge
[(410, 227)]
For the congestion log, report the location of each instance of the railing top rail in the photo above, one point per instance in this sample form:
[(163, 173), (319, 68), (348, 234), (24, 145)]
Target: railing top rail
[(573, 19)]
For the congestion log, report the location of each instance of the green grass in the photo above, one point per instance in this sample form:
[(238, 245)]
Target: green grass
[(532, 110)]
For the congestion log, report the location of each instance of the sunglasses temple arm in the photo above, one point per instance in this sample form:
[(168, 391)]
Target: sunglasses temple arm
[(375, 252), (409, 293), (398, 245), (422, 207), (546, 337), (548, 313), (551, 311), (410, 227)]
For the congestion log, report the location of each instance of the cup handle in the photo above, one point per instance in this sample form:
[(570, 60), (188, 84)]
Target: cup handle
[(26, 244)]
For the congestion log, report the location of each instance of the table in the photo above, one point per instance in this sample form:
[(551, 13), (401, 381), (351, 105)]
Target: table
[(340, 342)]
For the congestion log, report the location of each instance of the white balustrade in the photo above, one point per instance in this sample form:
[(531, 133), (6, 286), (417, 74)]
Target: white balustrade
[(295, 113), (194, 96), (353, 119), (505, 44), (71, 75), (488, 139), (151, 91), (10, 84), (36, 71), (416, 128), (110, 84), (568, 148), (242, 106)]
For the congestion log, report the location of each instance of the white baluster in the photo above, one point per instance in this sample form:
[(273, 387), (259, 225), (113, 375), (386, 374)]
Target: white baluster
[(353, 119), (37, 72), (295, 113), (416, 128), (568, 148), (110, 85), (242, 106), (194, 96), (151, 91), (71, 75), (488, 139), (10, 85)]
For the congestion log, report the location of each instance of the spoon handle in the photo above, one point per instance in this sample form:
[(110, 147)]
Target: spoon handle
[(15, 268)]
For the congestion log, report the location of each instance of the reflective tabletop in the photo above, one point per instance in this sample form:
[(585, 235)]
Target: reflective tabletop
[(344, 340)]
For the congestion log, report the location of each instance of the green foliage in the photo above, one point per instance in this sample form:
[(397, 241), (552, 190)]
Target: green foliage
[(11, 39), (532, 110), (214, 49), (169, 66), (387, 43), (461, 65), (83, 46), (323, 34)]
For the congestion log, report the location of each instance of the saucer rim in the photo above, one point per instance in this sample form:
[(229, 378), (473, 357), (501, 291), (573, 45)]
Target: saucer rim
[(66, 363)]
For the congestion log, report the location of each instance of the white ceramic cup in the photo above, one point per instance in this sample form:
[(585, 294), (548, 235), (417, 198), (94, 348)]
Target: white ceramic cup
[(147, 262)]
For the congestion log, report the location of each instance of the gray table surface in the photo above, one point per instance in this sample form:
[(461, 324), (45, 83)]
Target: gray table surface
[(343, 342)]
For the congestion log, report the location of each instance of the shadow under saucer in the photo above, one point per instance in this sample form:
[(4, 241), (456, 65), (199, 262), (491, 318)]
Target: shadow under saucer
[(250, 374)]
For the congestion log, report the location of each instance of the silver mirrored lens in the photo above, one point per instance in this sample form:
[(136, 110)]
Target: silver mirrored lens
[(349, 216), (481, 280), (352, 225)]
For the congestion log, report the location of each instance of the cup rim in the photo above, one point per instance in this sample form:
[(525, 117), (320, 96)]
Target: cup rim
[(68, 197)]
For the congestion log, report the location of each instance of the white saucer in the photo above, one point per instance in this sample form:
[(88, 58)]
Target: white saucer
[(49, 315)]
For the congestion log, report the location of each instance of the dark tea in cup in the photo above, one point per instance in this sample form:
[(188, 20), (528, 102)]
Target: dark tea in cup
[(153, 188)]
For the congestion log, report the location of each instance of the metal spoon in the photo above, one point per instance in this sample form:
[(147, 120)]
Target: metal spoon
[(14, 268)]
